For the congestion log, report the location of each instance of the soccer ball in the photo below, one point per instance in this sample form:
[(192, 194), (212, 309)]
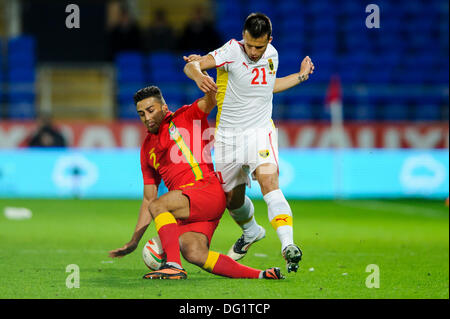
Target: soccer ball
[(153, 254)]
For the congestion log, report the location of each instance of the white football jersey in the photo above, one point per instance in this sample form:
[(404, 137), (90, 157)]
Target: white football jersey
[(245, 88)]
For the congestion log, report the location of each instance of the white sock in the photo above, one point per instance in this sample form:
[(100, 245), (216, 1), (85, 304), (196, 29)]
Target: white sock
[(280, 216), (244, 217), (170, 263)]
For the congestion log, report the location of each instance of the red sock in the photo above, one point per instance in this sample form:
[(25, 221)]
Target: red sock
[(222, 265), (167, 228)]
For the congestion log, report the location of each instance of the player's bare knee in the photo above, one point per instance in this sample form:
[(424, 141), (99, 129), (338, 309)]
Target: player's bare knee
[(194, 248), (156, 207), (195, 254)]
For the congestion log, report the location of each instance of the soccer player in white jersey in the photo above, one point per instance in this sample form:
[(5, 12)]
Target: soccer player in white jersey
[(246, 138)]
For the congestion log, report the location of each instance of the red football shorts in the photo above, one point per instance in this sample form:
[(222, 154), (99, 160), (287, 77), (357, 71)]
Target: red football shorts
[(207, 205)]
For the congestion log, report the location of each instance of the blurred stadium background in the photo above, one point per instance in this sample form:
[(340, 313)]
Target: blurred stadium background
[(392, 150), (394, 84)]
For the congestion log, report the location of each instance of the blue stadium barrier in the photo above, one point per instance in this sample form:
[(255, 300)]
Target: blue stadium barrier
[(303, 174)]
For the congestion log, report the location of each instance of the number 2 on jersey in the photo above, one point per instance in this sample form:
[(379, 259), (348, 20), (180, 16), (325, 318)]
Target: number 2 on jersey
[(255, 79)]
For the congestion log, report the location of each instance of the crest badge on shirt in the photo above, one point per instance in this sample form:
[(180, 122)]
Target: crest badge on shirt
[(271, 67), (171, 130), (264, 153)]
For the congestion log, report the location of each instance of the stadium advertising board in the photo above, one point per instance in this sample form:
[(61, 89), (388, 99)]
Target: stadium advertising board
[(308, 173), (291, 134)]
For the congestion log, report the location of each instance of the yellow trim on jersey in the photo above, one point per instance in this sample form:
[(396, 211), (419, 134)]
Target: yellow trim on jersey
[(211, 261), (281, 220), (186, 151), (222, 83), (164, 219)]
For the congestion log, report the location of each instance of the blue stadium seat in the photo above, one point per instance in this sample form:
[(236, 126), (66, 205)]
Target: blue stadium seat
[(364, 112), (229, 9), (130, 76), (298, 106), (325, 25), (125, 101), (24, 59), (428, 108), (349, 104), (127, 111), (174, 94), (293, 25), (288, 8), (23, 43), (21, 105), (381, 75), (351, 8), (427, 113), (191, 92), (129, 60), (162, 59), (322, 42), (437, 77), (21, 75), (230, 28), (263, 6), (397, 109), (300, 112), (288, 43), (165, 67), (408, 76)]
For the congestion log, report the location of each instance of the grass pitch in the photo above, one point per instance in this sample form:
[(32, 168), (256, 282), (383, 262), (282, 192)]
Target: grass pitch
[(407, 239)]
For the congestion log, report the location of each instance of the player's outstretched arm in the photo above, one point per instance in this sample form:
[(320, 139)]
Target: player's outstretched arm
[(284, 83), (208, 102), (150, 193), (194, 70)]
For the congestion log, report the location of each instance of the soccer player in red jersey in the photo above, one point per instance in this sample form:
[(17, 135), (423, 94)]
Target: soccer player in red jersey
[(176, 151)]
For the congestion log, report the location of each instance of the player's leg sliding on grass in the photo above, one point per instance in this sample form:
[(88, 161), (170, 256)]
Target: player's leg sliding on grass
[(194, 245), (195, 201)]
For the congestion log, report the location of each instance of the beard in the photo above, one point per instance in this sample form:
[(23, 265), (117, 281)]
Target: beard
[(158, 120)]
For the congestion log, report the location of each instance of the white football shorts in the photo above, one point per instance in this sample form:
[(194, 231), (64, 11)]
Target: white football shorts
[(238, 153)]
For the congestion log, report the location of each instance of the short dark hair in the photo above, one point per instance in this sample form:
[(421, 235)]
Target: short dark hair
[(149, 91), (258, 24)]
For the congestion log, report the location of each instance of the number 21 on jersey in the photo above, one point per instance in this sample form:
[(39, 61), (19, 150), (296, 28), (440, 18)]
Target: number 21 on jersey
[(257, 78)]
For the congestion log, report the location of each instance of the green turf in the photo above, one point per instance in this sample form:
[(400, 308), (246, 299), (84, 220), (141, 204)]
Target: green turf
[(407, 239)]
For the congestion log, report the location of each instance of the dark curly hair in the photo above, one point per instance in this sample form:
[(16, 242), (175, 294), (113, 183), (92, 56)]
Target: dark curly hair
[(149, 91)]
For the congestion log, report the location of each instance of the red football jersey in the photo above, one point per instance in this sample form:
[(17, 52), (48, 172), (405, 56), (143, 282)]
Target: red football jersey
[(180, 153)]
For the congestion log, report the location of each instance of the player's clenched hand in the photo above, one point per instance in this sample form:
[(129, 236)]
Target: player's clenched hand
[(306, 68), (125, 250), (192, 57), (206, 84)]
